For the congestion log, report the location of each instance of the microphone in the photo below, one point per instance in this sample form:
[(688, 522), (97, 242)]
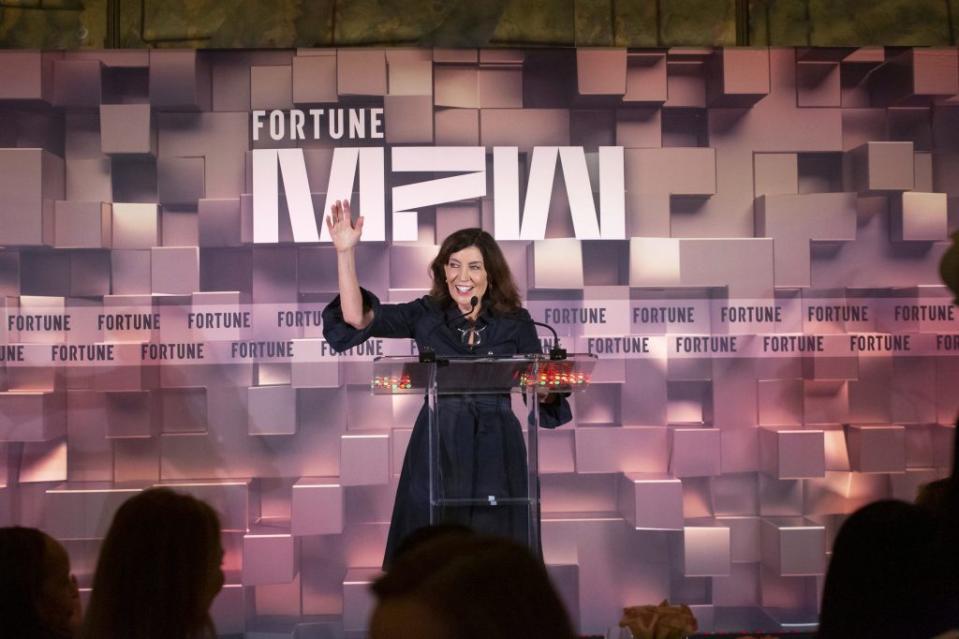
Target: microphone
[(428, 355), (557, 352)]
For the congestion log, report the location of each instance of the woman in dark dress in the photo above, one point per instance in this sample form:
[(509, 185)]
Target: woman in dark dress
[(473, 308)]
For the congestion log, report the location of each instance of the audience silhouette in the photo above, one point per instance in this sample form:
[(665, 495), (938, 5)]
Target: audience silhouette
[(882, 580), (158, 571), (895, 566), (458, 585), (39, 598)]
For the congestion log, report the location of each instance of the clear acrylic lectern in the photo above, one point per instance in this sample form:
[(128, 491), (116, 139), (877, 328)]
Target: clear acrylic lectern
[(528, 375)]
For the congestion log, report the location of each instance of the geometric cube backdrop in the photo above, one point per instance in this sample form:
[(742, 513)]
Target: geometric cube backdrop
[(776, 348)]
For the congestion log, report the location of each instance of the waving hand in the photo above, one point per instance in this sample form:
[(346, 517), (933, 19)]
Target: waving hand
[(343, 231)]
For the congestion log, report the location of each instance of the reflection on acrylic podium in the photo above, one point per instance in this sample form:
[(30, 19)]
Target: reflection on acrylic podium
[(487, 483)]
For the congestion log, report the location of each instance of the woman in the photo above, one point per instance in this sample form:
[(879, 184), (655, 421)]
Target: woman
[(457, 586), (473, 308), (158, 570), (886, 577), (39, 598)]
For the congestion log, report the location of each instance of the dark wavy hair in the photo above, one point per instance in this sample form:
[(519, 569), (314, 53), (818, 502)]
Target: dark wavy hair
[(155, 575), (502, 296), (474, 587), (23, 569)]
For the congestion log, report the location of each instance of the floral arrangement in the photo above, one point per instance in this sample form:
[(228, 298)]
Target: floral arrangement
[(664, 621)]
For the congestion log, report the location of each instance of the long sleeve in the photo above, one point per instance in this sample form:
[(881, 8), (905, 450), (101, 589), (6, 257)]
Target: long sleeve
[(389, 320)]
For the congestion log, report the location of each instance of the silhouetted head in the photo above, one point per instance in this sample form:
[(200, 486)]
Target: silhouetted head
[(158, 571), (949, 267), (468, 587), (949, 509), (38, 595), (934, 496), (429, 534), (492, 282), (884, 579)]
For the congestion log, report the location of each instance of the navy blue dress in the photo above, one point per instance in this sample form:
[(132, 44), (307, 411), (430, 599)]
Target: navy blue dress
[(483, 448)]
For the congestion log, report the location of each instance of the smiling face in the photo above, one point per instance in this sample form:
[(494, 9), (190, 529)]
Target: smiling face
[(466, 277)]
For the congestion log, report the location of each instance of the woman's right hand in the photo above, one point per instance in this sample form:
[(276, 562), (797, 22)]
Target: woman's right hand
[(343, 231)]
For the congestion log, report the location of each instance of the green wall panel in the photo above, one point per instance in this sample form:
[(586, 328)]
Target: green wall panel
[(636, 23), (546, 22), (391, 22), (779, 23), (63, 25), (226, 24), (594, 23), (697, 22), (72, 24), (890, 22)]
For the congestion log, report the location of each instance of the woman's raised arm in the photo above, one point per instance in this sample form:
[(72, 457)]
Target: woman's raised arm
[(346, 235)]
